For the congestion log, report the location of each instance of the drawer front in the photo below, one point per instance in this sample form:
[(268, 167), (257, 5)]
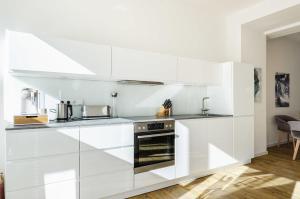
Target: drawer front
[(105, 185), (106, 161), (62, 190), (104, 137), (36, 143), (37, 172), (153, 177)]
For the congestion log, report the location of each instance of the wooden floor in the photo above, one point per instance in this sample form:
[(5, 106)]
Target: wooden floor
[(270, 176)]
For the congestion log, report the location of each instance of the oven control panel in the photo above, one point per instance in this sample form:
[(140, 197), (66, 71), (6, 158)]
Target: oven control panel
[(154, 126)]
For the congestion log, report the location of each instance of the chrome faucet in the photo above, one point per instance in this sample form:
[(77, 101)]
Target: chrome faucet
[(204, 109)]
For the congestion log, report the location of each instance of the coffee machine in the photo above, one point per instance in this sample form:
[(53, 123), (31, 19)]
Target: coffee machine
[(30, 101)]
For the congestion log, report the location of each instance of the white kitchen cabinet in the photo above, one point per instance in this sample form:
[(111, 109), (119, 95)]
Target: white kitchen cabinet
[(129, 64), (62, 190), (105, 161), (104, 185), (29, 173), (235, 95), (106, 136), (243, 89), (154, 177), (203, 144), (49, 56), (182, 144), (34, 143), (198, 72), (244, 138)]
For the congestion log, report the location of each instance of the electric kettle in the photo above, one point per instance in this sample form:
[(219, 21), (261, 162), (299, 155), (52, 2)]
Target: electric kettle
[(64, 111)]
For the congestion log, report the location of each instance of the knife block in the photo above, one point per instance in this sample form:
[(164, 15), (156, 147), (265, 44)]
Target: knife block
[(164, 112)]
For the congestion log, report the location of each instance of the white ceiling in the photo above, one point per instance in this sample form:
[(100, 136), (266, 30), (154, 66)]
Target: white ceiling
[(39, 12), (223, 6)]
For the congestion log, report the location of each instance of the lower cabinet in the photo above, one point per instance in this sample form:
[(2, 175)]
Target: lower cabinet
[(203, 144), (108, 184), (244, 138), (29, 173), (98, 162), (61, 190)]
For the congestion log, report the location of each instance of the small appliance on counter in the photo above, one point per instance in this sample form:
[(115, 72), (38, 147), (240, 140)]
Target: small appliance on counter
[(31, 111), (30, 101), (96, 111), (64, 111)]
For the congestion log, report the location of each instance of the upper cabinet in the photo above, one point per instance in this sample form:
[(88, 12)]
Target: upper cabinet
[(243, 89), (198, 72), (40, 55), (128, 64), (235, 94)]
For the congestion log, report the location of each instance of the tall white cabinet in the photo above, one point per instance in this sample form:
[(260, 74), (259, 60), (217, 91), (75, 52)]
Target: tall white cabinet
[(236, 96)]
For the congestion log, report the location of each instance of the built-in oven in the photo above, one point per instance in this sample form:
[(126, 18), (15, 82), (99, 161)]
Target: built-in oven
[(154, 145)]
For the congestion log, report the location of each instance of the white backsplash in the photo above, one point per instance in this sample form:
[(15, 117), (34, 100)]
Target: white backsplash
[(133, 100)]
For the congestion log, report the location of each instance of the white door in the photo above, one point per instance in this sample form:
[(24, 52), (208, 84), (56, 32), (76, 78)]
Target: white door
[(243, 89), (244, 138), (129, 64)]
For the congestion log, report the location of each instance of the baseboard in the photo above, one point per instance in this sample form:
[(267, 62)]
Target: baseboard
[(276, 143), (261, 154)]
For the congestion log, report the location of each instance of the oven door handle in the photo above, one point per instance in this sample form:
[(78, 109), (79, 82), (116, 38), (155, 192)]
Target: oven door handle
[(155, 135)]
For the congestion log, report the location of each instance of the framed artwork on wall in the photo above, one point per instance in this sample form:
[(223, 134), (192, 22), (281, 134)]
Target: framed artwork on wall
[(257, 84), (282, 90)]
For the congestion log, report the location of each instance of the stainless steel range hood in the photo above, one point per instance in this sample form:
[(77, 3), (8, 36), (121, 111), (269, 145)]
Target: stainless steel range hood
[(138, 82)]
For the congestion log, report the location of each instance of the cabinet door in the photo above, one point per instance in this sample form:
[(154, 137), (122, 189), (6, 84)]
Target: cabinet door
[(243, 89), (203, 144), (41, 171), (105, 137), (198, 72), (62, 190), (182, 144), (34, 143), (104, 185), (53, 56), (97, 162), (195, 131), (128, 64), (244, 138), (220, 142)]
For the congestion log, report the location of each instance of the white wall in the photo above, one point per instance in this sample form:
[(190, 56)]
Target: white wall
[(253, 51), (246, 42), (132, 100), (282, 56), (2, 123), (188, 28)]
